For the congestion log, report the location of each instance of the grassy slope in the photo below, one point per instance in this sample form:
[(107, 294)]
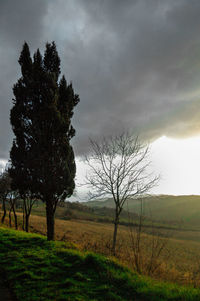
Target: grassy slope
[(164, 208), (41, 270), (182, 266)]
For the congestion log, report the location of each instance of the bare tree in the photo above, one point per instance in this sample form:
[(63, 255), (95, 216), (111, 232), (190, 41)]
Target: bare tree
[(119, 167), (8, 196), (12, 197), (157, 244), (28, 202), (5, 188)]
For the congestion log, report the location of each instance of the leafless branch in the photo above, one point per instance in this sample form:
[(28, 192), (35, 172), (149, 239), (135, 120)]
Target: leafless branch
[(119, 167)]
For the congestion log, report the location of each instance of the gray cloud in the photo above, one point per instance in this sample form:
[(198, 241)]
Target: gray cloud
[(19, 21), (135, 64)]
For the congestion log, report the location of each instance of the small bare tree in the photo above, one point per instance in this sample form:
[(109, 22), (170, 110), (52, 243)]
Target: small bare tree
[(8, 196), (12, 197), (157, 244), (119, 167), (28, 202), (5, 183)]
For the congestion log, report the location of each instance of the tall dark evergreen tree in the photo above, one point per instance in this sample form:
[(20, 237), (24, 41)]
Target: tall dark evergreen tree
[(42, 158)]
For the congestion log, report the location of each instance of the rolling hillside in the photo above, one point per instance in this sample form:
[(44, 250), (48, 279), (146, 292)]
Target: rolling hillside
[(180, 260), (184, 210), (40, 270)]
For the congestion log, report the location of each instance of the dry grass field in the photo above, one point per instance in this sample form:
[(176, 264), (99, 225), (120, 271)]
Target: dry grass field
[(179, 261)]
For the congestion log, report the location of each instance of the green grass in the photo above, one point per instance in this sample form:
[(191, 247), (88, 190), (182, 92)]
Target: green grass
[(40, 270)]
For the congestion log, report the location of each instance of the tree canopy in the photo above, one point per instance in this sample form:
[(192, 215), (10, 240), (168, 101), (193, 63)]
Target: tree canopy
[(42, 159)]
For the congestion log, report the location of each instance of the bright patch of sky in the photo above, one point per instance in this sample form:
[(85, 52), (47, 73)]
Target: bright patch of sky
[(177, 161)]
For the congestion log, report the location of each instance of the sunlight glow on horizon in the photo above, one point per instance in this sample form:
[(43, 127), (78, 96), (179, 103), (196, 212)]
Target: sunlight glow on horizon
[(178, 162)]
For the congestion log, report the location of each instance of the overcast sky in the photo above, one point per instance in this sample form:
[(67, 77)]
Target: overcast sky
[(134, 63)]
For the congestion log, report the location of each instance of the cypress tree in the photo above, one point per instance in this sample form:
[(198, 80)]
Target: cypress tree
[(41, 121)]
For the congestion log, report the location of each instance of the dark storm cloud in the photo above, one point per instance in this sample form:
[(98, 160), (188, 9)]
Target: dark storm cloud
[(135, 64), (19, 21)]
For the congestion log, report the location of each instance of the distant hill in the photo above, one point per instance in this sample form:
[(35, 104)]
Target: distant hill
[(162, 208), (76, 210), (165, 210)]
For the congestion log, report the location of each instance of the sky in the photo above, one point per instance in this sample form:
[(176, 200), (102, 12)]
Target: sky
[(135, 65)]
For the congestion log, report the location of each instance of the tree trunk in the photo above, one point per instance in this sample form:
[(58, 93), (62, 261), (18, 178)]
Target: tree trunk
[(116, 222), (15, 217), (4, 211), (26, 216), (50, 219), (27, 222), (10, 219), (23, 222)]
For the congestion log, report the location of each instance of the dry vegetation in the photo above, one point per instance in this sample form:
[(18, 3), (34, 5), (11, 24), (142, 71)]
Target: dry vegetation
[(179, 262)]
